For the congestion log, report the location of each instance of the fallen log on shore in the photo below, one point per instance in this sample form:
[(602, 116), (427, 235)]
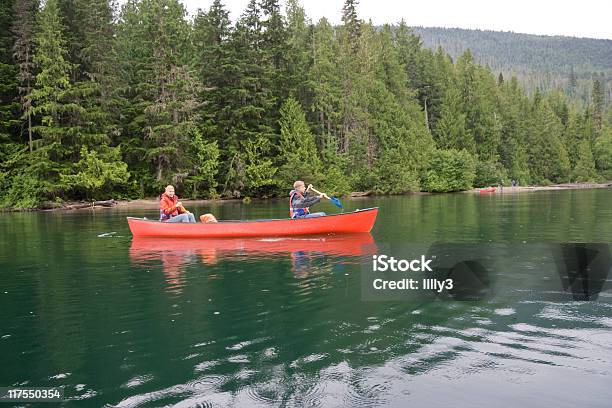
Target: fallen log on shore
[(92, 204), (360, 193)]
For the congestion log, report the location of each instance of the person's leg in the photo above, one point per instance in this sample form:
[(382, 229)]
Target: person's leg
[(315, 215), (191, 218), (179, 218)]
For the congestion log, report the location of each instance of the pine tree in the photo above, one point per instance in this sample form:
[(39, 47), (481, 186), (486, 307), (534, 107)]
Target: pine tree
[(326, 82), (409, 48), (37, 177), (274, 49), (70, 138), (572, 136), (451, 131), (298, 155), (170, 100), (134, 47), (70, 12), (216, 66), (478, 91), (428, 74), (172, 119), (93, 91), (602, 152), (349, 60), (8, 70), (390, 69), (572, 81), (360, 87), (598, 105), (99, 55), (251, 107), (299, 40), (403, 143), (52, 87), (548, 159), (514, 110), (585, 166), (352, 24), (23, 51)]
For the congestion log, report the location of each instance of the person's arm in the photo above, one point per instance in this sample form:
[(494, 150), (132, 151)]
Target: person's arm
[(305, 201)]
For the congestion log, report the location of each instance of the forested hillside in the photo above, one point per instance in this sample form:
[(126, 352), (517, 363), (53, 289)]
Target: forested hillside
[(100, 103), (545, 62)]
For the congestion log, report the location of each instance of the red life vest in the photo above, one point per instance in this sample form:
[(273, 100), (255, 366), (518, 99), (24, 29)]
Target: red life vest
[(296, 212), (166, 203)]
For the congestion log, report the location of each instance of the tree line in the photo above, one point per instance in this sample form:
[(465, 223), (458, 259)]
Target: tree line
[(98, 102), (538, 61)]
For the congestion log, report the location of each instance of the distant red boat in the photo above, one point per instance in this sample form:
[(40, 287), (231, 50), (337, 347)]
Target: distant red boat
[(487, 190), (353, 222)]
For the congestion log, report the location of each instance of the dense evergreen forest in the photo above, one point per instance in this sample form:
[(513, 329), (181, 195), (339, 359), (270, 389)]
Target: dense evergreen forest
[(538, 61), (100, 103)]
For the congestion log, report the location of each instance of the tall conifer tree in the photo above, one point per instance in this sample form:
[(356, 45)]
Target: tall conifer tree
[(23, 52)]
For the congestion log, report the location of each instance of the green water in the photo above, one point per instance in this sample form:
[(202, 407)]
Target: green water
[(282, 323)]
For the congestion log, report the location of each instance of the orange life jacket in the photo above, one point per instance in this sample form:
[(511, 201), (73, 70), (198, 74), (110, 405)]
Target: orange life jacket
[(167, 207)]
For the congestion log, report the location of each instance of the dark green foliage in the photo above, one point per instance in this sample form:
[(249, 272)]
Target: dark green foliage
[(298, 155), (598, 104), (351, 23), (8, 73), (602, 152), (97, 172), (585, 166), (449, 170), (23, 53), (490, 174), (298, 53), (451, 130), (252, 118), (97, 105), (402, 144), (24, 177), (548, 159)]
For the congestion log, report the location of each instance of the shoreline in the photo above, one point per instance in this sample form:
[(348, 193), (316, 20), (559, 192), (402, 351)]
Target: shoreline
[(152, 203), (552, 187)]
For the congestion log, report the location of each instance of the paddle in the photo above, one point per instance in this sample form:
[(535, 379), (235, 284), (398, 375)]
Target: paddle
[(334, 200)]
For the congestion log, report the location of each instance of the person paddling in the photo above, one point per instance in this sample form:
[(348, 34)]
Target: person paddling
[(171, 209), (300, 201)]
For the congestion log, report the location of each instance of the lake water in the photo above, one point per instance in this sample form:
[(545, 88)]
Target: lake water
[(269, 322)]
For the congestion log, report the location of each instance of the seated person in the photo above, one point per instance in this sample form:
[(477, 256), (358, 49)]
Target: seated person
[(171, 209), (300, 201)]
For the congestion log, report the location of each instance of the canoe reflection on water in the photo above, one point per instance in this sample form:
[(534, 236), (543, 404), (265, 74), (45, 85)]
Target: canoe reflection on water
[(176, 254)]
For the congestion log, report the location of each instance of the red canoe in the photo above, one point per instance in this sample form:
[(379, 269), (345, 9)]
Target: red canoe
[(356, 221), (488, 190)]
